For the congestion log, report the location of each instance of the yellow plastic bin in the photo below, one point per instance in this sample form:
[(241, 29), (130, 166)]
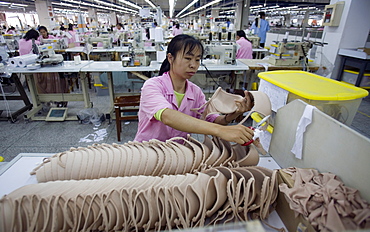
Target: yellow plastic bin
[(337, 99)]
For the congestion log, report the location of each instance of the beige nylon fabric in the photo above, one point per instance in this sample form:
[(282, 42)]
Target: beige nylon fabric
[(328, 204)]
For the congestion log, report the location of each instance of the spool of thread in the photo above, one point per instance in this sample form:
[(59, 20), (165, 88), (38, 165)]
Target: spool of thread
[(210, 36), (254, 86), (1, 159), (219, 36), (229, 35)]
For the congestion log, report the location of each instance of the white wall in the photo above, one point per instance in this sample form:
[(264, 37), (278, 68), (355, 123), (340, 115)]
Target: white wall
[(352, 31)]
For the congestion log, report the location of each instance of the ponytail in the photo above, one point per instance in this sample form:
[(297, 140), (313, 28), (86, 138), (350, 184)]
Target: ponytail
[(256, 21), (165, 67)]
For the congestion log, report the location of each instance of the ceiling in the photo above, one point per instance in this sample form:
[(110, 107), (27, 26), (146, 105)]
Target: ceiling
[(164, 4)]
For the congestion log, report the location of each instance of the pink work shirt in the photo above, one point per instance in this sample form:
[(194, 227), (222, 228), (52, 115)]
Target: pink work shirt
[(157, 93), (245, 51), (73, 39), (177, 31), (25, 46), (49, 37)]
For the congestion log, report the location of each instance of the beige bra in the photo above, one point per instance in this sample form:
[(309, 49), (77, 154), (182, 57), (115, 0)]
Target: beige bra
[(134, 203), (220, 102), (152, 158)]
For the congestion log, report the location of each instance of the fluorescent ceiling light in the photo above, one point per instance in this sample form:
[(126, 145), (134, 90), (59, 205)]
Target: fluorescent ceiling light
[(259, 6), (5, 3), (171, 3), (202, 7), (116, 7), (130, 4), (20, 5), (187, 7), (150, 3)]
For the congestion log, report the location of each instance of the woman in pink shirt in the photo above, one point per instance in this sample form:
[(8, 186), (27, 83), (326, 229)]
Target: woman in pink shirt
[(166, 101), (245, 50), (72, 41), (25, 44), (177, 30), (44, 34), (45, 82)]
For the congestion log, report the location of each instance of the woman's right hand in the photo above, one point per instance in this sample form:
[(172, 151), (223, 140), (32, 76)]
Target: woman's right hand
[(236, 133)]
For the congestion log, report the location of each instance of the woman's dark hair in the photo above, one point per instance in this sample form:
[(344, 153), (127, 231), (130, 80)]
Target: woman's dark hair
[(43, 28), (62, 28), (177, 26), (241, 33), (261, 14), (70, 27), (31, 34), (183, 42), (11, 28), (147, 33)]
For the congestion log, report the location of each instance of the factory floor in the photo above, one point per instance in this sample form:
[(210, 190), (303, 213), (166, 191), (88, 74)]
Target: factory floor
[(54, 137)]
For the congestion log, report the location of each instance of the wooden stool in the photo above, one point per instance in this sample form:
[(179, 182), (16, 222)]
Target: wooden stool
[(124, 104)]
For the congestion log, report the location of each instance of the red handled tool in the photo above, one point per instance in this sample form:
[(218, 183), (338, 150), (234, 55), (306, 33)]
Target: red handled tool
[(258, 125)]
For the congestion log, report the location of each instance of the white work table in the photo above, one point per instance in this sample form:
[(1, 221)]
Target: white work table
[(99, 49), (66, 66), (214, 65), (116, 66), (114, 49)]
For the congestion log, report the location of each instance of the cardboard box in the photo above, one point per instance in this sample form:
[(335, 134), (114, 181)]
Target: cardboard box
[(287, 215)]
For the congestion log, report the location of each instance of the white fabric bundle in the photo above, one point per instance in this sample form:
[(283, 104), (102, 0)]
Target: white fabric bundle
[(22, 61)]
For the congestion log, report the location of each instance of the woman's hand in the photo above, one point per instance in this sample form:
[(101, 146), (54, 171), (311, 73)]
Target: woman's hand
[(237, 133)]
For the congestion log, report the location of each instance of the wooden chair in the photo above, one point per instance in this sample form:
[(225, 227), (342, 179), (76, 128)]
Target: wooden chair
[(124, 104)]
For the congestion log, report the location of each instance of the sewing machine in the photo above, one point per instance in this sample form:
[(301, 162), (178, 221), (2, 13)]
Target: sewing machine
[(107, 41), (221, 36), (225, 52), (47, 55), (137, 52), (255, 40), (58, 44), (11, 42), (289, 53), (122, 36)]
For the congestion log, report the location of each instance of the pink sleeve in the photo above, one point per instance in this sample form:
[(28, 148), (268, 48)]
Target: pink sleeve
[(152, 98)]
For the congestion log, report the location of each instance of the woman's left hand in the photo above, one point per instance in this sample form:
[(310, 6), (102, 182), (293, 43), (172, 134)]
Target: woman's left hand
[(245, 104)]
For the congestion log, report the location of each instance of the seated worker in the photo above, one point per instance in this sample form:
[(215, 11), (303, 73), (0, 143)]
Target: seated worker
[(45, 82), (119, 27), (44, 34), (245, 49), (25, 44), (177, 30), (166, 101)]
